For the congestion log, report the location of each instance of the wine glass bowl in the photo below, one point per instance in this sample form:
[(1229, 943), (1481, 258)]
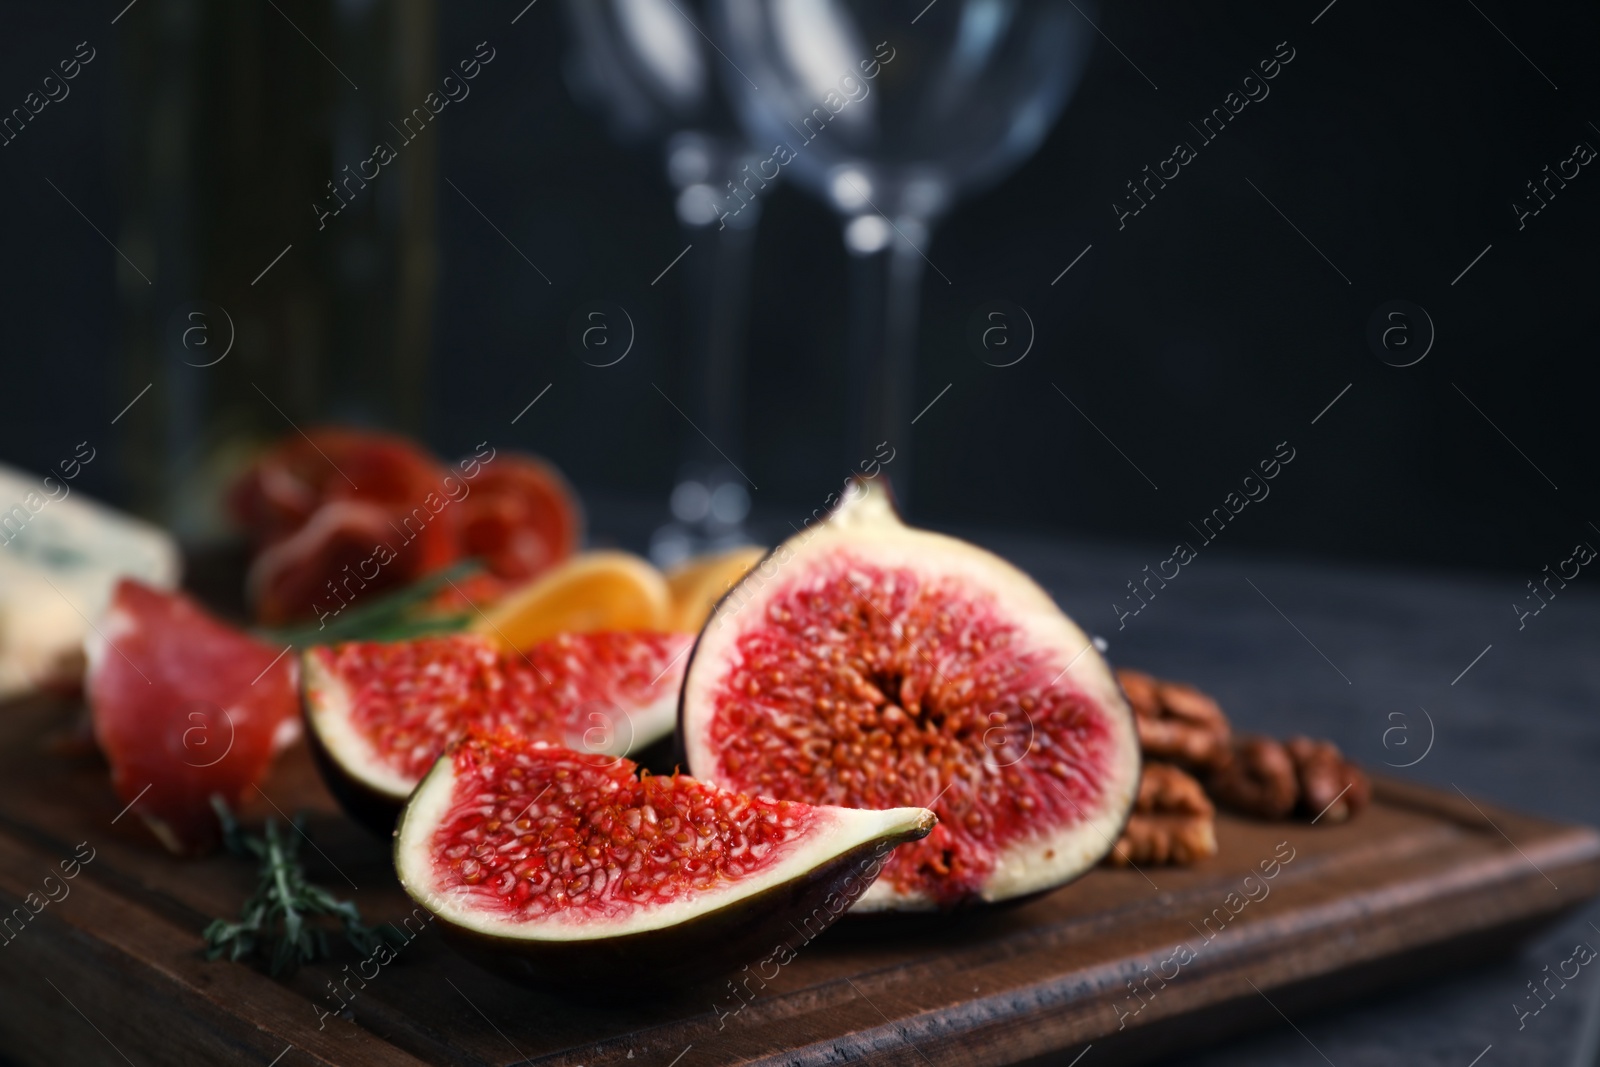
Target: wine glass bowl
[(897, 119), (640, 63), (644, 65)]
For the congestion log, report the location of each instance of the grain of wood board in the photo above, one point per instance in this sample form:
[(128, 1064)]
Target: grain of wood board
[(113, 972)]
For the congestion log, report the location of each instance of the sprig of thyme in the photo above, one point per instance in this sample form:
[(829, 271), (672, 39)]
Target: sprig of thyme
[(279, 921)]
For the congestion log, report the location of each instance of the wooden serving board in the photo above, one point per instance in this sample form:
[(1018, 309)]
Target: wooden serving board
[(112, 972)]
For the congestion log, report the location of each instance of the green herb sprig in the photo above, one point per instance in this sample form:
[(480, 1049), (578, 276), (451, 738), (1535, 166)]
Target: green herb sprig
[(395, 616), (279, 923)]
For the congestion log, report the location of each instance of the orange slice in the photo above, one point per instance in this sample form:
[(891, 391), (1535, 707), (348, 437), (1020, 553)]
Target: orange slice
[(697, 584), (591, 591)]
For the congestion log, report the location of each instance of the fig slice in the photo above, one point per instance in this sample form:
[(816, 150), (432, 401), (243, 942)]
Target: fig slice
[(868, 664), (380, 713), (565, 869)]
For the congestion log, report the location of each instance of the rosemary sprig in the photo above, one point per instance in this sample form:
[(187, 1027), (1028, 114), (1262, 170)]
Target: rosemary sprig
[(391, 617), (278, 923)]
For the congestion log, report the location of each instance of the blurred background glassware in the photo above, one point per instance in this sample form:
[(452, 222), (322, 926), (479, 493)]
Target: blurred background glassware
[(647, 66), (926, 108), (243, 313)]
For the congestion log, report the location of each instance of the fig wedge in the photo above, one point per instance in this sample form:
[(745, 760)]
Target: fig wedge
[(379, 714), (567, 870)]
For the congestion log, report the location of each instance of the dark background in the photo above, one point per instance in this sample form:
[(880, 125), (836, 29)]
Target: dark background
[(1197, 338)]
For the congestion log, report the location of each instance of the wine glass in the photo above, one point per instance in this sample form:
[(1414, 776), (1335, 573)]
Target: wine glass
[(648, 66), (889, 119)]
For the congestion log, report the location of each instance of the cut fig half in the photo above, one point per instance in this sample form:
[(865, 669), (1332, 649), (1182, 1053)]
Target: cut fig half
[(381, 713), (564, 869), (867, 664)]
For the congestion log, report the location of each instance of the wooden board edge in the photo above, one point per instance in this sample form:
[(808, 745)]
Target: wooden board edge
[(1051, 1030)]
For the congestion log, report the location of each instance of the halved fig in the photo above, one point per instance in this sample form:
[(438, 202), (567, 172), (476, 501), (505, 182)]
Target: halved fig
[(380, 713), (566, 869), (871, 665)]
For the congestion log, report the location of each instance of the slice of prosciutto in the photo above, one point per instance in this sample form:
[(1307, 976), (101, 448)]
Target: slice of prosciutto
[(185, 707)]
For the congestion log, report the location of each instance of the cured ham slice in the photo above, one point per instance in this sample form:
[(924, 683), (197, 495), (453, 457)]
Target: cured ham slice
[(185, 707), (338, 513)]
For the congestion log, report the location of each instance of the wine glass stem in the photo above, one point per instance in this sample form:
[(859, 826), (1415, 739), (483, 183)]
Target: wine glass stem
[(885, 297)]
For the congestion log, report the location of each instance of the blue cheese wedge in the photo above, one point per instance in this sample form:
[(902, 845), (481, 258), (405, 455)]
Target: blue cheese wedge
[(60, 557)]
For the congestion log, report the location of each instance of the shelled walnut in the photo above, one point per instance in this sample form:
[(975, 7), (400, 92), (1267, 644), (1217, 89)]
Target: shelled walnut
[(1257, 778), (1331, 787), (1172, 821), (1177, 722), (1273, 780)]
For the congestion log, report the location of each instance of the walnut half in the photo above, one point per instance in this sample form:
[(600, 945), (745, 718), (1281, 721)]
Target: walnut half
[(1257, 779), (1273, 780), (1331, 787), (1172, 822), (1176, 722)]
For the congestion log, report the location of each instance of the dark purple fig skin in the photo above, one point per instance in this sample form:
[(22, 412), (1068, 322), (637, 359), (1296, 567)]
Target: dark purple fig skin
[(378, 812), (744, 937)]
